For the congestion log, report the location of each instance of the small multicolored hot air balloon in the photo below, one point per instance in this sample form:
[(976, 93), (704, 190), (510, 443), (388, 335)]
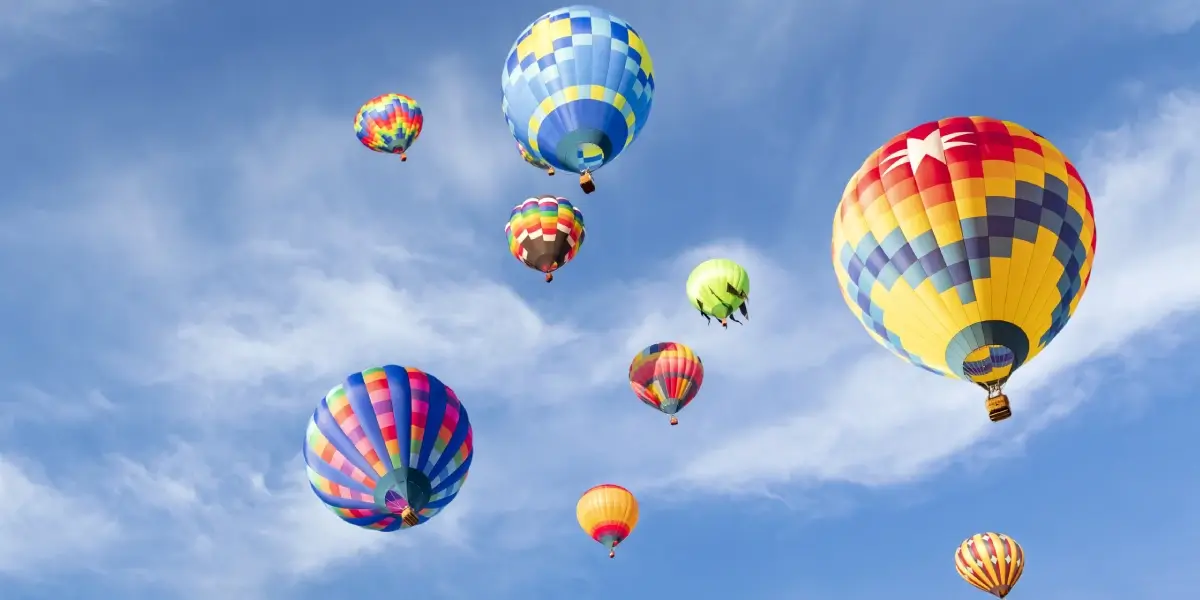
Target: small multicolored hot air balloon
[(992, 562), (545, 233), (389, 448), (719, 287), (533, 160), (608, 513), (666, 376), (578, 85), (389, 123), (964, 246)]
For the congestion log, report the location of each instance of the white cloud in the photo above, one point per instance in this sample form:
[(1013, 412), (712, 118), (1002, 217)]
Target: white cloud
[(25, 403), (321, 258), (43, 527), (808, 402), (1143, 178)]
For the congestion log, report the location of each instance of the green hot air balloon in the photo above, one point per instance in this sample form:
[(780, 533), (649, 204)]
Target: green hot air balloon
[(719, 287)]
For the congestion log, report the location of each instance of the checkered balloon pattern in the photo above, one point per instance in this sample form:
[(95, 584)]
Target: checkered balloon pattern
[(389, 123), (577, 87), (964, 246)]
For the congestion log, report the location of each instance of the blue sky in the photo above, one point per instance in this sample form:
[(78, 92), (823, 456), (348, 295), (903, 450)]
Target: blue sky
[(196, 248)]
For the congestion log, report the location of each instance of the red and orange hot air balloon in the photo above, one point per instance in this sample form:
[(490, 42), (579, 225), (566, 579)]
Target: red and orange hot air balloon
[(607, 513), (666, 376), (992, 562)]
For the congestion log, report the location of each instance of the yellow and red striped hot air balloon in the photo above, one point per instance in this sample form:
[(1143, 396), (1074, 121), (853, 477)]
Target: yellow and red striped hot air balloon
[(992, 562), (389, 123), (608, 513)]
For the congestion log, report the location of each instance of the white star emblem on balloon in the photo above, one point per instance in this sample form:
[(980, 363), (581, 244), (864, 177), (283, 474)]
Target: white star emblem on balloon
[(933, 146)]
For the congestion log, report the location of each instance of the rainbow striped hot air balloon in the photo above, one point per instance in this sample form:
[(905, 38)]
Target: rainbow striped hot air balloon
[(389, 448), (607, 513), (666, 376), (389, 123), (545, 233), (577, 89)]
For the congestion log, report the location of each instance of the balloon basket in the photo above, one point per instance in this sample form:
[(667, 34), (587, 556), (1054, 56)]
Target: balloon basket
[(998, 408), (586, 183), (403, 157), (550, 171), (409, 517), (612, 553), (549, 277), (674, 421)]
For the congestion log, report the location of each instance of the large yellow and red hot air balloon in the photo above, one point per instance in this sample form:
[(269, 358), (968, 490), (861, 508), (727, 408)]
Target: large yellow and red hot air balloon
[(608, 513), (964, 246), (992, 562)]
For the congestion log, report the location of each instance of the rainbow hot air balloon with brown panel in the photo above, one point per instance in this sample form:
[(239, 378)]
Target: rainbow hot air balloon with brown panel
[(607, 513), (964, 246), (992, 562)]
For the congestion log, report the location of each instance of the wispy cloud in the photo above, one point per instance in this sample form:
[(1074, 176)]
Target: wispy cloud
[(799, 402), (42, 525), (30, 29), (229, 286)]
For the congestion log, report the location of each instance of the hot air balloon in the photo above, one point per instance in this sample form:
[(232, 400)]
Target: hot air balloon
[(389, 448), (666, 376), (389, 123), (719, 287), (992, 562), (533, 160), (964, 246), (577, 89), (545, 233), (608, 513)]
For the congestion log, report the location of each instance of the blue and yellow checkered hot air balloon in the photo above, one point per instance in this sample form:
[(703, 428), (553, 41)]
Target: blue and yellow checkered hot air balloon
[(578, 85), (964, 246)]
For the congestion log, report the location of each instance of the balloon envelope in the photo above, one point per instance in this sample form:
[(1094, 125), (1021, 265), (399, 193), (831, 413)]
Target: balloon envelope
[(577, 87), (992, 562), (386, 440), (666, 376), (389, 123), (718, 288), (545, 233), (964, 246), (607, 513), (531, 159)]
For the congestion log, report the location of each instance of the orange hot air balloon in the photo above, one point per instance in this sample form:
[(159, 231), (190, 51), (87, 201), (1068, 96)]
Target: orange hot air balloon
[(608, 513), (992, 562)]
